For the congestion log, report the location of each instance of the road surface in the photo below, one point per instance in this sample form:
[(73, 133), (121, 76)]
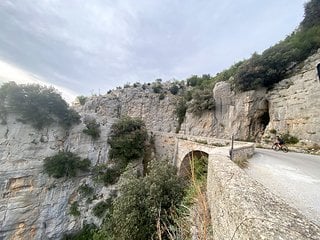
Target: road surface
[(295, 177)]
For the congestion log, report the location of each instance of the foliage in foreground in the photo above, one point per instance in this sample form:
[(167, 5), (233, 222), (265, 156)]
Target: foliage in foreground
[(143, 203), (65, 164), (37, 105)]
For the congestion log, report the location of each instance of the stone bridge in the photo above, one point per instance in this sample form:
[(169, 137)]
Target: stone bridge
[(178, 148), (240, 207)]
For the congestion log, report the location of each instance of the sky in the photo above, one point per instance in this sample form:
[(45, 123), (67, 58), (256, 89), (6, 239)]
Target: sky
[(86, 47)]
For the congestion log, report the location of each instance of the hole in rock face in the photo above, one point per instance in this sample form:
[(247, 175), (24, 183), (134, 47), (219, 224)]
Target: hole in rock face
[(318, 71), (259, 124)]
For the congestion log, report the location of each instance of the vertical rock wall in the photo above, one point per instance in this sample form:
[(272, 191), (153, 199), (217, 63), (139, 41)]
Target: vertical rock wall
[(33, 205), (294, 103)]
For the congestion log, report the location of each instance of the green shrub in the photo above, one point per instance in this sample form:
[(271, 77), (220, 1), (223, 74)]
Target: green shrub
[(174, 89), (82, 100), (180, 111), (65, 164), (74, 211), (101, 207), (37, 105), (143, 200), (127, 139), (157, 88), (85, 190), (287, 138), (106, 175), (92, 128), (311, 14), (202, 101), (86, 233), (162, 96), (273, 131)]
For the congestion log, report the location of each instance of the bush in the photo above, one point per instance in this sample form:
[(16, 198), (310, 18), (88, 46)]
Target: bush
[(82, 100), (74, 211), (86, 233), (273, 131), (65, 164), (162, 96), (202, 101), (108, 176), (157, 88), (287, 138), (180, 111), (85, 190), (101, 207), (145, 201), (174, 89), (127, 139), (40, 106), (92, 128), (311, 14)]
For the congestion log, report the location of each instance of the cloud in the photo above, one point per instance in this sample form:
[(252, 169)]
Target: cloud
[(90, 45), (10, 72)]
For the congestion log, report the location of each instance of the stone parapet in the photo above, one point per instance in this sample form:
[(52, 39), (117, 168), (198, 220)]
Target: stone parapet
[(242, 208)]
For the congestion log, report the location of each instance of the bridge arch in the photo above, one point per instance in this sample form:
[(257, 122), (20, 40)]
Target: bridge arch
[(185, 166)]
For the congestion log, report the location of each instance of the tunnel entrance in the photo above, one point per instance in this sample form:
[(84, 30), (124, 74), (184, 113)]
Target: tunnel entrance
[(318, 71), (259, 123), (194, 164)]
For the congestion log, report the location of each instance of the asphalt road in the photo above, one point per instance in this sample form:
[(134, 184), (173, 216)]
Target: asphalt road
[(295, 177)]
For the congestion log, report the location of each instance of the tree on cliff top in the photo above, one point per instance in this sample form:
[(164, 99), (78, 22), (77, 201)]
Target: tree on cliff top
[(311, 14), (38, 105)]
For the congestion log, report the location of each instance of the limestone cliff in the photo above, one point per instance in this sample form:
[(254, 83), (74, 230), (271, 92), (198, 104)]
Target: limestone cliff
[(33, 205)]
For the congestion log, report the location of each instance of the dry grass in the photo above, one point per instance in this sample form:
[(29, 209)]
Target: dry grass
[(242, 163), (192, 219)]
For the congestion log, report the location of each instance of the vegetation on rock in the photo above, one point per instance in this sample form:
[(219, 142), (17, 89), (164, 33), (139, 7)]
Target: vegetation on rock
[(86, 233), (37, 105), (85, 190), (92, 128), (82, 100), (289, 139), (65, 164), (74, 211), (127, 139)]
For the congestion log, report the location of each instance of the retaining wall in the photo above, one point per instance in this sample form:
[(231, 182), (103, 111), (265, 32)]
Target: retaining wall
[(241, 208)]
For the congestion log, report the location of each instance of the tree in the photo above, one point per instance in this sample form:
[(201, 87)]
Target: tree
[(38, 105), (65, 164), (311, 14), (145, 201), (127, 139)]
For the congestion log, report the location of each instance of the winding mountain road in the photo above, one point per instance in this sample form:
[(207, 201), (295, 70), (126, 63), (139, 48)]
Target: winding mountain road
[(295, 177)]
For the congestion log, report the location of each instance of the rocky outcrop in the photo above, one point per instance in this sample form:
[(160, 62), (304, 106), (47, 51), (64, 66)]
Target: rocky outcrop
[(33, 205), (245, 115), (294, 103)]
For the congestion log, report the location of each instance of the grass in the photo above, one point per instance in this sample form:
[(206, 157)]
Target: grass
[(242, 163), (192, 218)]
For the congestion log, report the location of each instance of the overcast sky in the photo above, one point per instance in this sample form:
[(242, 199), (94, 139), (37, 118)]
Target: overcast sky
[(84, 47)]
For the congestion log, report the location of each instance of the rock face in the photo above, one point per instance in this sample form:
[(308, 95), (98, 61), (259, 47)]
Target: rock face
[(32, 205), (292, 106), (294, 103)]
